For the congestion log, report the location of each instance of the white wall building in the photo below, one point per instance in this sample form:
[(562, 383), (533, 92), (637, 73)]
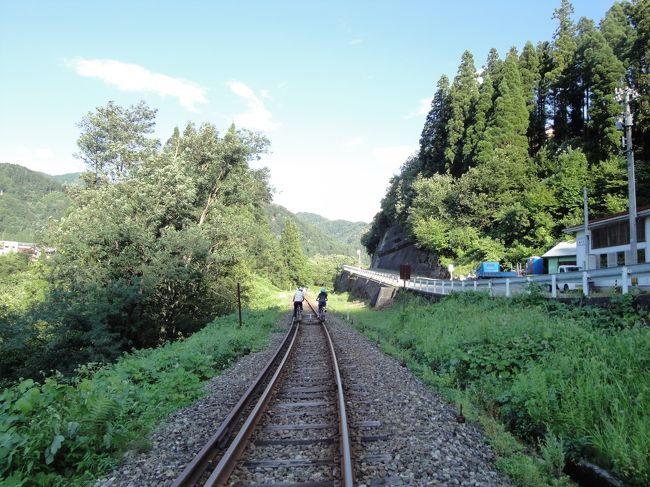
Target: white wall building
[(609, 240), (8, 246)]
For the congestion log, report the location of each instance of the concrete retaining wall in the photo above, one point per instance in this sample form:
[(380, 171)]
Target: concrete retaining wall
[(379, 294)]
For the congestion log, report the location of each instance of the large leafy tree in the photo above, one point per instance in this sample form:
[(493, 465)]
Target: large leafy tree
[(115, 140), (153, 249)]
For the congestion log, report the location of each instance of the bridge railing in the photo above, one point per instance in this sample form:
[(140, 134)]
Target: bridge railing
[(618, 279)]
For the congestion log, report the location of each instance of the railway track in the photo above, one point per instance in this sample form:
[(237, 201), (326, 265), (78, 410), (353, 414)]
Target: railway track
[(290, 428)]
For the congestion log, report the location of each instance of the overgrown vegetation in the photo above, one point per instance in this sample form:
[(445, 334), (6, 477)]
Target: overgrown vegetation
[(572, 382), (505, 150), (68, 431)]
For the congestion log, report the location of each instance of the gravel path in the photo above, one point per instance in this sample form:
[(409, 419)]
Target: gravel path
[(404, 434)]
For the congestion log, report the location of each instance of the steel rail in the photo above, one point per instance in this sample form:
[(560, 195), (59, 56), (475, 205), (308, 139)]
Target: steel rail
[(199, 464), (228, 462), (347, 473)]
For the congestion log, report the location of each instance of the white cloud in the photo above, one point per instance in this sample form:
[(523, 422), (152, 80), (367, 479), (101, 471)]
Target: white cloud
[(353, 141), (266, 94), (257, 117), (355, 41), (423, 109), (133, 77), (393, 156)]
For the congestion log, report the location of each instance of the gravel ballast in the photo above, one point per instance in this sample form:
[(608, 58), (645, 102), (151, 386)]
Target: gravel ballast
[(403, 434)]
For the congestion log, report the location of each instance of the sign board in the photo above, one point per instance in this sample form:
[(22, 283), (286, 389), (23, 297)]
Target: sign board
[(405, 272)]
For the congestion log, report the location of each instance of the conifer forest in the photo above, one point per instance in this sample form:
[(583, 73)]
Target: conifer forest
[(510, 142)]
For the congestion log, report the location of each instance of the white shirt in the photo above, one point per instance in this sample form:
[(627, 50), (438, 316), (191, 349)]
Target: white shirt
[(299, 296)]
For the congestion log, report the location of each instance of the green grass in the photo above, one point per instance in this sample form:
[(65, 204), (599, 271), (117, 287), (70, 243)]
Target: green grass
[(570, 382), (68, 432)]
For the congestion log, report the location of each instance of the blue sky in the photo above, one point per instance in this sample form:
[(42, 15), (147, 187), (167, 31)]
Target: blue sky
[(340, 88)]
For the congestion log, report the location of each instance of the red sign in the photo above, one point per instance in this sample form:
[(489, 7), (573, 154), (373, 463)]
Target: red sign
[(405, 272)]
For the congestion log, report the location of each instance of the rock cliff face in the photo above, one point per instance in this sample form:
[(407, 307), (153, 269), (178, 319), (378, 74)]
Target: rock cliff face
[(396, 249)]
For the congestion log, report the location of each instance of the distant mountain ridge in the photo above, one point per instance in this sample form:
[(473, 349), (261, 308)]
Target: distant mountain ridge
[(29, 198), (342, 230), (68, 178), (318, 234)]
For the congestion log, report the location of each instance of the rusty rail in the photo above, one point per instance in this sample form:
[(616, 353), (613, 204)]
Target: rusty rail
[(197, 467)]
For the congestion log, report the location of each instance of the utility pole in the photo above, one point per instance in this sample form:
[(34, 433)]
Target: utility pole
[(629, 95), (587, 235)]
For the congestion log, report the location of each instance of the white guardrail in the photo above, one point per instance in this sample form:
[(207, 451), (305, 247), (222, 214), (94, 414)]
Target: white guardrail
[(621, 278)]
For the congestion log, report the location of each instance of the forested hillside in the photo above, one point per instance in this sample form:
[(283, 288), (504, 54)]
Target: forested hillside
[(316, 239), (27, 200), (506, 149), (348, 233), (68, 178)]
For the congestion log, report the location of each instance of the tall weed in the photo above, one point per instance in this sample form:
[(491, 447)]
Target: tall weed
[(545, 369)]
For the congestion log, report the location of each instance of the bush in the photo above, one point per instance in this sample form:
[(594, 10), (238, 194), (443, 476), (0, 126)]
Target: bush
[(69, 431)]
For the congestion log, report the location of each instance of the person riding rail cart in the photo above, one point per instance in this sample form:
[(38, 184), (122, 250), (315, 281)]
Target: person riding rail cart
[(322, 301), (298, 298)]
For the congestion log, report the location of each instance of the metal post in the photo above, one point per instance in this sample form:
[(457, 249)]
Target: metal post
[(585, 284), (239, 302), (475, 284), (507, 288), (631, 183), (490, 287), (554, 285), (625, 286)]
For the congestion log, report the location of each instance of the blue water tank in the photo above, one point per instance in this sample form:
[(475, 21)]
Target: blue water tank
[(534, 265)]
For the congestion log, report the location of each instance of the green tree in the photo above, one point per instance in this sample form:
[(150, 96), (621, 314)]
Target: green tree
[(567, 181), (563, 89), (508, 124), (462, 95), (114, 141), (608, 186), (530, 70), (434, 133), (617, 29), (538, 125), (480, 114), (602, 74), (639, 69), (292, 256)]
